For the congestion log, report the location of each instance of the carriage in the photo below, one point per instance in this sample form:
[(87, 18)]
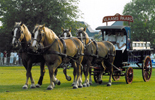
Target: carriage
[(130, 58)]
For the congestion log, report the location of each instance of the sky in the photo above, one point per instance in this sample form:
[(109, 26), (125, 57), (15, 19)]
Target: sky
[(94, 10)]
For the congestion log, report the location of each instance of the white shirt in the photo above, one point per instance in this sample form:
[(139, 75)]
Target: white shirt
[(110, 38), (121, 40)]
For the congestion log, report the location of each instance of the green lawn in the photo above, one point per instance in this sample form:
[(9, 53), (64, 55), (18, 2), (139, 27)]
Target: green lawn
[(13, 78)]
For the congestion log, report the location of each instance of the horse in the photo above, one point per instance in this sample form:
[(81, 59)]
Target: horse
[(59, 51), (22, 38), (65, 33), (101, 53)]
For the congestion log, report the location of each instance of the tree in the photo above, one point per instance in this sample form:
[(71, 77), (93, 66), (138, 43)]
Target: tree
[(143, 12), (53, 13)]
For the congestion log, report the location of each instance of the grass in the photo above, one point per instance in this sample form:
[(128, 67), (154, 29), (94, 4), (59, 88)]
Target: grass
[(13, 78)]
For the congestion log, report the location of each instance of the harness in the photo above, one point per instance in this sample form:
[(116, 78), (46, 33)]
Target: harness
[(96, 53), (46, 50)]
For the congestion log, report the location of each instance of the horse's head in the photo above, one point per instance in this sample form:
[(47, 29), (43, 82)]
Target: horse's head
[(18, 34), (66, 33), (82, 35), (38, 36)]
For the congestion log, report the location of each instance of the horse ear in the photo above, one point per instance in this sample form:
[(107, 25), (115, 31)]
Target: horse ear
[(70, 29), (84, 29), (62, 29), (21, 23), (42, 26)]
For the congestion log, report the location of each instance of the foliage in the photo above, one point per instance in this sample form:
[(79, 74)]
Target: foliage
[(13, 78), (98, 37), (143, 12), (53, 13)]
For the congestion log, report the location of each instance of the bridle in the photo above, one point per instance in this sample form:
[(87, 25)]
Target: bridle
[(17, 39), (41, 37), (83, 38)]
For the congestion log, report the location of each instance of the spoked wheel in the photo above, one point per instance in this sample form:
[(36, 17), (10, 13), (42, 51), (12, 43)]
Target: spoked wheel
[(147, 69), (96, 78), (96, 75), (116, 76), (129, 75)]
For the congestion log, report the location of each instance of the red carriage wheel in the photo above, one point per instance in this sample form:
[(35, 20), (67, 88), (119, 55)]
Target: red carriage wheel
[(116, 76), (96, 78), (147, 69), (96, 75), (129, 75)]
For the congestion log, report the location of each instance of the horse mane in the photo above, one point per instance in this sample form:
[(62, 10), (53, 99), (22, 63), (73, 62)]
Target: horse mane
[(26, 32), (84, 32), (48, 33)]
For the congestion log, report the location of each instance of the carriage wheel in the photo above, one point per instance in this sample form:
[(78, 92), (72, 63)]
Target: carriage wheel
[(129, 75), (96, 76), (116, 76), (147, 69)]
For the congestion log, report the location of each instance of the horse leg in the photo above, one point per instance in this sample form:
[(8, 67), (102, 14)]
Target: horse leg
[(78, 81), (86, 70), (111, 72), (101, 73), (42, 72), (90, 79), (26, 84), (79, 75), (74, 72), (29, 74), (53, 79), (65, 72)]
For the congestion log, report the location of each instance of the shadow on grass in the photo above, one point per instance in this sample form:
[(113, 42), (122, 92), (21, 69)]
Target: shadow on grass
[(65, 85)]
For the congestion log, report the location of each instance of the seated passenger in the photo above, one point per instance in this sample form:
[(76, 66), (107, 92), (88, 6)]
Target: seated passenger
[(121, 42), (110, 37)]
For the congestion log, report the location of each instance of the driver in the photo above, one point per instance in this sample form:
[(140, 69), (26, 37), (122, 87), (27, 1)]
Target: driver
[(121, 42)]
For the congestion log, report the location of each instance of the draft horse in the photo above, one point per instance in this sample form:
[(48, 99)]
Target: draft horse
[(57, 51), (100, 53), (66, 33), (22, 38)]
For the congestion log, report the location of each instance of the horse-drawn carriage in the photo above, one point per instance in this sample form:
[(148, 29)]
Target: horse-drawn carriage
[(80, 51), (125, 58), (130, 56)]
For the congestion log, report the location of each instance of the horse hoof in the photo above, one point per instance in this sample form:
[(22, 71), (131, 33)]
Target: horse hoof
[(88, 85), (100, 82), (49, 88), (80, 86), (59, 83), (25, 87), (69, 78), (109, 84), (74, 87), (38, 86), (84, 85), (32, 87)]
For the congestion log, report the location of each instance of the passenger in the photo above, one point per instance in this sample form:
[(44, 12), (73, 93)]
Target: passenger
[(121, 42), (110, 37)]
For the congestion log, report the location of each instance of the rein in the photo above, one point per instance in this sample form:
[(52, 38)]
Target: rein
[(44, 49)]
